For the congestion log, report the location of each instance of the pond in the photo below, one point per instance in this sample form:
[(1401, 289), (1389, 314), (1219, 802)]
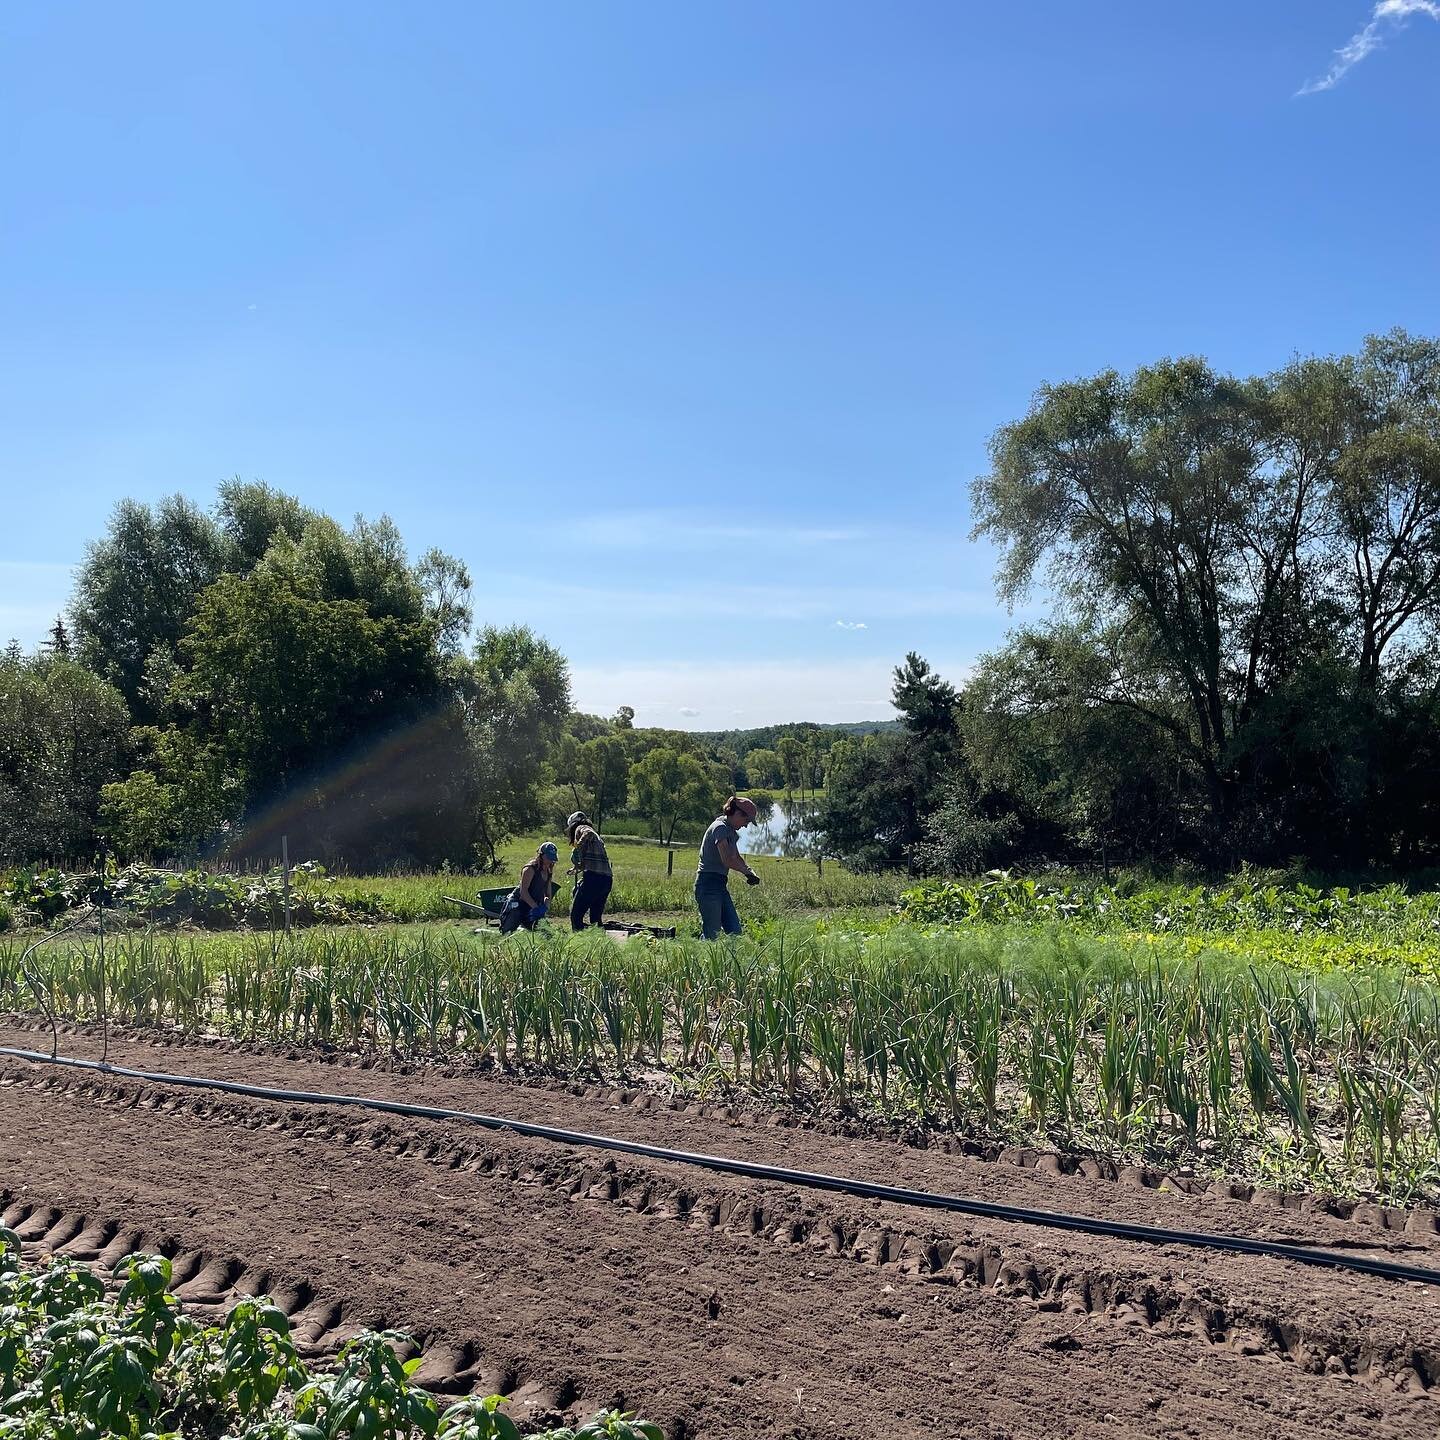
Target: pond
[(779, 833)]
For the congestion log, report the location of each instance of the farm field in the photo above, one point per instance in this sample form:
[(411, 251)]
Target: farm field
[(1269, 919), (642, 886), (1202, 1080), (80, 1361), (1134, 1047), (812, 446), (642, 889), (556, 1275)]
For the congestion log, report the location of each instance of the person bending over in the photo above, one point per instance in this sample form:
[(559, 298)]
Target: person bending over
[(590, 865), (719, 855), (530, 899)]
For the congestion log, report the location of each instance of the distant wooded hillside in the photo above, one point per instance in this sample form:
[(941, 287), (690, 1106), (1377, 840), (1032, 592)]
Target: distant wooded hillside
[(765, 736)]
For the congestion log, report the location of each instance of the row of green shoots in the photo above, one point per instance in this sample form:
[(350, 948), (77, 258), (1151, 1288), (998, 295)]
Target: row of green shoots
[(79, 1364), (1120, 1046)]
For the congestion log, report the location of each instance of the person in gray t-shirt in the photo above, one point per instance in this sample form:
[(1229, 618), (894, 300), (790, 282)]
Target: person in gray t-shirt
[(719, 855)]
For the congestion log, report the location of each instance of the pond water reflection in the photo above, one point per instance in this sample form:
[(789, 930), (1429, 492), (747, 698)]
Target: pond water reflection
[(779, 833)]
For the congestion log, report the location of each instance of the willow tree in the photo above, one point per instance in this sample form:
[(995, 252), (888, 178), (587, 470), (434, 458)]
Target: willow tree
[(1217, 544)]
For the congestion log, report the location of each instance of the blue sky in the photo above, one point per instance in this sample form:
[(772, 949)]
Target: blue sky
[(685, 326)]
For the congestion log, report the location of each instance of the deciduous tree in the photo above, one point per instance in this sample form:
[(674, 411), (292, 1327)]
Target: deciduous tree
[(64, 733), (668, 786)]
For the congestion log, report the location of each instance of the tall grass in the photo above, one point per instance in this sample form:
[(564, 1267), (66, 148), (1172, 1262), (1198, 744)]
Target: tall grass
[(1103, 1042), (642, 886)]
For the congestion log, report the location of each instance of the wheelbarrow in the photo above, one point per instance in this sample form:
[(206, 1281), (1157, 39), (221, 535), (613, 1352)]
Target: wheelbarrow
[(491, 903)]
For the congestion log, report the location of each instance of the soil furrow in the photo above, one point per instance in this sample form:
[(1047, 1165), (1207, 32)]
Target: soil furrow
[(1045, 1179), (560, 1278)]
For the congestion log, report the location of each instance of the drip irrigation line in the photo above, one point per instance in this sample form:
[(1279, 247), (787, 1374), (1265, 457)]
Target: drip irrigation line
[(753, 1170)]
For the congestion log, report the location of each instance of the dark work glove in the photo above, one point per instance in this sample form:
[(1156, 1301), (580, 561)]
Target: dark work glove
[(752, 878)]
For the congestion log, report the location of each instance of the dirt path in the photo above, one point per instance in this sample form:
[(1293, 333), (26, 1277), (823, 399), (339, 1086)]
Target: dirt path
[(720, 1307)]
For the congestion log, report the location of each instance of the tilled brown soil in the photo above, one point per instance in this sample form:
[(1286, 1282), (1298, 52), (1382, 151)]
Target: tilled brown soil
[(569, 1280)]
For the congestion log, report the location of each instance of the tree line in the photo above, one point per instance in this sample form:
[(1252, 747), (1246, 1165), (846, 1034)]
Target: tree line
[(670, 780), (1238, 660), (226, 676), (1240, 587), (232, 674)]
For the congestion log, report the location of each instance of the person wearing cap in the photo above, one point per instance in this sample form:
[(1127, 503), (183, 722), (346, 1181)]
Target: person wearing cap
[(530, 899), (590, 865), (719, 855)]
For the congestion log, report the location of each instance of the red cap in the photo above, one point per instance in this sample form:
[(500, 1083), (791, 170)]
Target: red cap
[(745, 806)]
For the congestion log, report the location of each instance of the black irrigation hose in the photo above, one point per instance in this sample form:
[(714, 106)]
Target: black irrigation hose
[(866, 1189)]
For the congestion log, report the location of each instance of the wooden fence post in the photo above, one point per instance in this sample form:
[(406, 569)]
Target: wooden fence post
[(285, 882)]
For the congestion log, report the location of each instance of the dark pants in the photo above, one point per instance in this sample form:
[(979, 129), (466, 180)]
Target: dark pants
[(590, 896), (515, 914), (717, 909)]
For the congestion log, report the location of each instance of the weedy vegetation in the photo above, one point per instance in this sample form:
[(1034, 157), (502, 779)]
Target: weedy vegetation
[(222, 900), (204, 899)]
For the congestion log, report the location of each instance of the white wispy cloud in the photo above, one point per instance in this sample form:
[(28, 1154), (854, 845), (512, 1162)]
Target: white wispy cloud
[(1387, 17), (849, 624), (689, 711)]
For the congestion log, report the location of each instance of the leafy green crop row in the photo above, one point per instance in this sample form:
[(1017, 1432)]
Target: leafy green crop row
[(1387, 925), (76, 1365), (1396, 924), (1103, 1041)]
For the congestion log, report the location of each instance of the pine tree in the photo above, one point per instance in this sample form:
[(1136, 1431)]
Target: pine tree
[(926, 703)]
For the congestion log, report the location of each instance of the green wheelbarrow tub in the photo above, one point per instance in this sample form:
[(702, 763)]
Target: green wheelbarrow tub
[(492, 902)]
